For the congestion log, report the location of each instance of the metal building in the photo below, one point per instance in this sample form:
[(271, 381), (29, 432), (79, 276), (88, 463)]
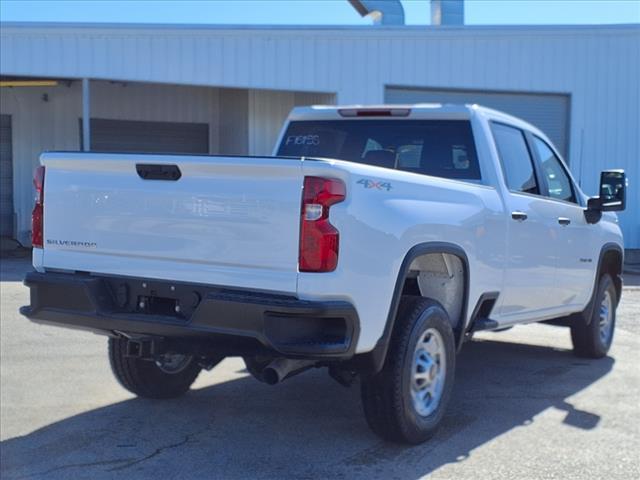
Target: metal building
[(212, 89)]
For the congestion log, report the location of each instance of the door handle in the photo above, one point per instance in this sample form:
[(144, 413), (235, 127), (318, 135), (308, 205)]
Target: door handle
[(519, 216), (563, 221), (149, 171)]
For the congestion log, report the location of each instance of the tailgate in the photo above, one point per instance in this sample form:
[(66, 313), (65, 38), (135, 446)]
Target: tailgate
[(230, 221)]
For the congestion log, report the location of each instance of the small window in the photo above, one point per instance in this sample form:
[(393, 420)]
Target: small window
[(558, 181), (515, 158)]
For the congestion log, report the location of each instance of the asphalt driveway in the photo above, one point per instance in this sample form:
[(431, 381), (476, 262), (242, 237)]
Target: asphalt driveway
[(523, 407)]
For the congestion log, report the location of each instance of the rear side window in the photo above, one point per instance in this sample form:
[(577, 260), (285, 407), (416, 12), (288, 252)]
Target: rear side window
[(515, 158), (558, 181), (441, 148)]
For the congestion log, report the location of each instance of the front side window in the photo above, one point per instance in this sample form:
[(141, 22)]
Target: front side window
[(441, 148), (557, 179), (515, 158)]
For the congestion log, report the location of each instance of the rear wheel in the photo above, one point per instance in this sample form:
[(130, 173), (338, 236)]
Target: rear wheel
[(405, 402), (592, 337), (168, 376)]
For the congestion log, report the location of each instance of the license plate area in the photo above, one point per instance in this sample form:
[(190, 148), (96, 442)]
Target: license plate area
[(149, 297), (159, 306)]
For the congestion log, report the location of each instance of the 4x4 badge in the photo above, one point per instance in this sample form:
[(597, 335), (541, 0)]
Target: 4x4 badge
[(374, 184)]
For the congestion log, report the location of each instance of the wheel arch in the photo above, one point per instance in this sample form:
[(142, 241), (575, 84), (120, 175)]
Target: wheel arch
[(373, 361), (611, 261)]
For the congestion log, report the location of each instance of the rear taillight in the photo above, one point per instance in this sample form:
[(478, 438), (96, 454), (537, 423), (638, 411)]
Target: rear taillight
[(37, 217), (319, 239)]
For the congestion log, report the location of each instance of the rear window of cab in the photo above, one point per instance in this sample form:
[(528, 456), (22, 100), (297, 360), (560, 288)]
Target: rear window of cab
[(440, 148)]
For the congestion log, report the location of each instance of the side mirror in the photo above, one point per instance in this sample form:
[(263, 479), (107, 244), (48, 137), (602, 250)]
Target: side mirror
[(613, 195)]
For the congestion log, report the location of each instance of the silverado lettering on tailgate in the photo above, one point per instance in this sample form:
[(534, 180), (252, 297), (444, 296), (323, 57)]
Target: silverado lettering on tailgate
[(71, 243)]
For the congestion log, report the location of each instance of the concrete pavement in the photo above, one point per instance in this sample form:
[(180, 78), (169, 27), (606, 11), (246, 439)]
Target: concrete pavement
[(523, 407)]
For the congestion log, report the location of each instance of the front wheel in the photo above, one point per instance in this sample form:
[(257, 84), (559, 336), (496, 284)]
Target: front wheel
[(592, 337), (169, 376), (406, 401)]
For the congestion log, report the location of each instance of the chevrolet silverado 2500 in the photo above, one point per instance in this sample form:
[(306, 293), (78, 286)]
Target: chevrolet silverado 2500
[(374, 243)]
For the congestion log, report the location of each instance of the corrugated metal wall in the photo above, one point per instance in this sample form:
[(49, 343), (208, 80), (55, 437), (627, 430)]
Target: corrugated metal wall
[(598, 66)]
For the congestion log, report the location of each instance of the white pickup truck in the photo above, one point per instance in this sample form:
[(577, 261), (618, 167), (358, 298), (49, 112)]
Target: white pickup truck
[(374, 242)]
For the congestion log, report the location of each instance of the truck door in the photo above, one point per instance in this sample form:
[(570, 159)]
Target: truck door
[(577, 252), (532, 240)]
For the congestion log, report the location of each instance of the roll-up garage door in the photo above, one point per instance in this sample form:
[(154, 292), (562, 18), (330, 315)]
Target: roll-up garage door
[(148, 137), (548, 112), (6, 177)]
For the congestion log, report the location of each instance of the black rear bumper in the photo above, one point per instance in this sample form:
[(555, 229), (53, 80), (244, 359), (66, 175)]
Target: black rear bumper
[(172, 310)]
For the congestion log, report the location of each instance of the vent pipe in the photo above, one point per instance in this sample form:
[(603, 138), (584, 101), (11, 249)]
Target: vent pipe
[(382, 12), (447, 12)]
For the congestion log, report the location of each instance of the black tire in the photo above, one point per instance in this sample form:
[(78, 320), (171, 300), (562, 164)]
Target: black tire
[(145, 378), (586, 332), (386, 397)]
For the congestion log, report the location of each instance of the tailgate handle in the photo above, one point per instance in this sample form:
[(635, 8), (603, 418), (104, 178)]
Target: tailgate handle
[(150, 171)]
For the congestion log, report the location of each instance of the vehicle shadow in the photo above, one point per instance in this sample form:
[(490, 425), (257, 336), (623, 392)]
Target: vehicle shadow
[(308, 427)]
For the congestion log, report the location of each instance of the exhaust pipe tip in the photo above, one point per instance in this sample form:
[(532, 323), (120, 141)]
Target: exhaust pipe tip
[(283, 368), (270, 376)]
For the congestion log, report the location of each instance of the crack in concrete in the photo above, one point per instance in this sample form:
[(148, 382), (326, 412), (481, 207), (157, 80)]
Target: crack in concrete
[(77, 465), (187, 438), (130, 462)]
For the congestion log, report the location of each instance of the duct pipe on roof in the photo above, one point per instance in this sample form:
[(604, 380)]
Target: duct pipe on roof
[(385, 12), (447, 12)]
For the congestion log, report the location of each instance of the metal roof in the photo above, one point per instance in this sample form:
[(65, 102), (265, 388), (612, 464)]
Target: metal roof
[(373, 29)]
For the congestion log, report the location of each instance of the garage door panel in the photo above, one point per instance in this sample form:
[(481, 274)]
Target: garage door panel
[(548, 112), (148, 137), (6, 177)]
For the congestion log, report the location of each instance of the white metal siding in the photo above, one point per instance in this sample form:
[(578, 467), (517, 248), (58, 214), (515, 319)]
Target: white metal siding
[(598, 66)]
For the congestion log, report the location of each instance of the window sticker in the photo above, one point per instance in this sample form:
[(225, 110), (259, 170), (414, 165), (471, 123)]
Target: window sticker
[(303, 140)]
